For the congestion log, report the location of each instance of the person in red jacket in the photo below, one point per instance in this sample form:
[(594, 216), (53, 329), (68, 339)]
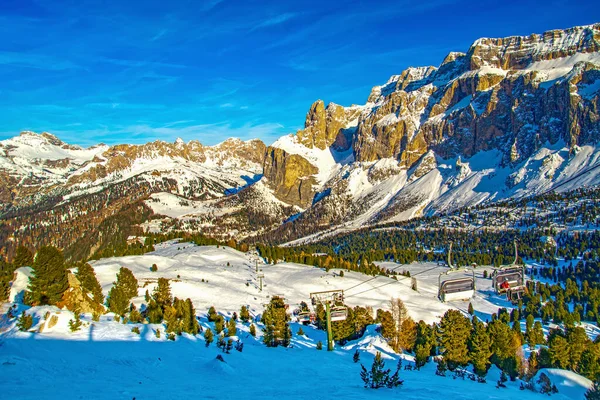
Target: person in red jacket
[(505, 285)]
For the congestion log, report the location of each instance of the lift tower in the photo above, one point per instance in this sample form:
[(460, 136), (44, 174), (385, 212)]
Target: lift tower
[(333, 301)]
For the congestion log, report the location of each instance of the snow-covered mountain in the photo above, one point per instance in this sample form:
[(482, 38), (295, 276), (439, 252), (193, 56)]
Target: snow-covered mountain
[(510, 117)]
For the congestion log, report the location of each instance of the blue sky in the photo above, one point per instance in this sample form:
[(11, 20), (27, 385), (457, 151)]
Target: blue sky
[(135, 71)]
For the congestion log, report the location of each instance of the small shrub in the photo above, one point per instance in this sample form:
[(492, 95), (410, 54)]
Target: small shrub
[(75, 324), (154, 268), (171, 336), (157, 333), (319, 345), (136, 329), (24, 322)]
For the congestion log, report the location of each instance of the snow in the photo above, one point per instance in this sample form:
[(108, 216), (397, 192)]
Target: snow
[(105, 360), (324, 160)]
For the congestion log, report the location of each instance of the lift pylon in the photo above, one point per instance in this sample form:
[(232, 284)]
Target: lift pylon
[(330, 299)]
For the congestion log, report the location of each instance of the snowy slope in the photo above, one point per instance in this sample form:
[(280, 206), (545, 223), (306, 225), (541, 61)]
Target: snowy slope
[(105, 360)]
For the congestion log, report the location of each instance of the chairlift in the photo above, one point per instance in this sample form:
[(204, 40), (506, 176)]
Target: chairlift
[(515, 294), (304, 317), (457, 288), (338, 313), (509, 277), (462, 288)]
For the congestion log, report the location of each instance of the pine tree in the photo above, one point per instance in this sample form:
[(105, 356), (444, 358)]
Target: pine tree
[(229, 346), (277, 331), (559, 352), (480, 348), (23, 257), (244, 314), (219, 324), (454, 331), (231, 327), (118, 302), (212, 314), (505, 344), (75, 325), (319, 345), (130, 285), (378, 376), (162, 293), (153, 312), (49, 279), (252, 330), (173, 323), (356, 356), (24, 322), (471, 310), (407, 334), (208, 337), (300, 332), (86, 275)]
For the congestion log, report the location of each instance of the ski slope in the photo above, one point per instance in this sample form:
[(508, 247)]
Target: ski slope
[(105, 360)]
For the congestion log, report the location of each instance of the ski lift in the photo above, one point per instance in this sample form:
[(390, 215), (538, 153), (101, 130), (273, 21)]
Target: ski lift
[(510, 278), (456, 289), (515, 294), (338, 313), (304, 317), (462, 288)]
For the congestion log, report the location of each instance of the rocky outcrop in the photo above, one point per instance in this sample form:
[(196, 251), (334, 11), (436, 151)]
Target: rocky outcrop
[(76, 299), (493, 97), (290, 177)]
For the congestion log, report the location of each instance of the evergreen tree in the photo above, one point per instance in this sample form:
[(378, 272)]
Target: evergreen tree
[(75, 324), (118, 302), (480, 348), (86, 275), (505, 344), (319, 345), (212, 314), (23, 257), (356, 356), (300, 332), (126, 279), (25, 322), (277, 331), (559, 352), (471, 310), (231, 327), (407, 335), (454, 331), (219, 324), (190, 323), (123, 290), (252, 330), (162, 293), (208, 337), (244, 314), (173, 323), (49, 279), (378, 376), (153, 312)]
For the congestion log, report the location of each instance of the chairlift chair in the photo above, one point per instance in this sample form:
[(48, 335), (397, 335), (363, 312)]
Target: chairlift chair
[(462, 288), (509, 277), (338, 313)]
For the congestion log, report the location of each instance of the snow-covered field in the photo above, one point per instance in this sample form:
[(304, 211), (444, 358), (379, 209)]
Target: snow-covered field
[(105, 360)]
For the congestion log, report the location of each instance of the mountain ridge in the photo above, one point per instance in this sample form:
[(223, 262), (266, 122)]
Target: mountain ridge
[(508, 118)]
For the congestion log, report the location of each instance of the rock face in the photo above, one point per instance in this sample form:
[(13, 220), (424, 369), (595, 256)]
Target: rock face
[(510, 94), (325, 127), (290, 176), (77, 299)]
